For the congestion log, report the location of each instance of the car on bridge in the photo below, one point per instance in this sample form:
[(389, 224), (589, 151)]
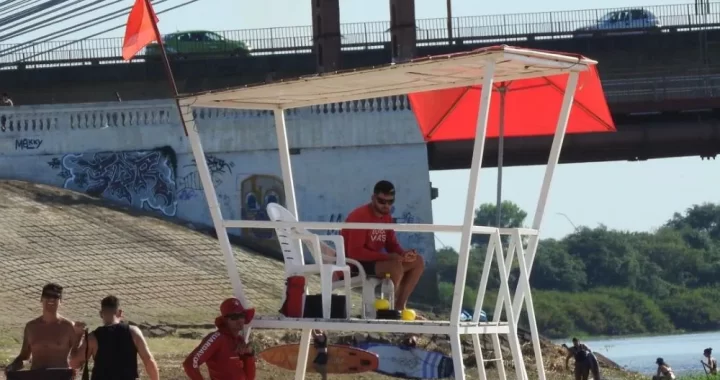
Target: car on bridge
[(198, 42), (636, 18)]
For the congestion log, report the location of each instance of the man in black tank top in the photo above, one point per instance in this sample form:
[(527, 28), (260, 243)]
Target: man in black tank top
[(115, 347)]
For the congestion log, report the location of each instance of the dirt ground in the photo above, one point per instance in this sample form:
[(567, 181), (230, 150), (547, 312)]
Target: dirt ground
[(171, 350)]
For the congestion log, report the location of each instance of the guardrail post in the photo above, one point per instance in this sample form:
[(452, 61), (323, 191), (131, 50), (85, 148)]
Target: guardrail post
[(365, 33)]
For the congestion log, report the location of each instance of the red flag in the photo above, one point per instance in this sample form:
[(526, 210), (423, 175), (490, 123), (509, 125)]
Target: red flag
[(140, 30)]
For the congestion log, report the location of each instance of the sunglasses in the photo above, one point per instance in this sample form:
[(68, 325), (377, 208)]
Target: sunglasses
[(235, 317), (54, 296), (384, 201)]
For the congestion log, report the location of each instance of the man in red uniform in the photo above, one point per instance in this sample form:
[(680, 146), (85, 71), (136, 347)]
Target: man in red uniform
[(227, 355), (378, 251)]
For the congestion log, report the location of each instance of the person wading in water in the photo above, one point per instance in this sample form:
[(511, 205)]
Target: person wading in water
[(711, 363), (48, 340), (581, 353), (115, 347), (664, 372)]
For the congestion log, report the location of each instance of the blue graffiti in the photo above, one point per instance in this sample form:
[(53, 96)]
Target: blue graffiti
[(187, 194), (335, 218), (190, 186), (143, 179)]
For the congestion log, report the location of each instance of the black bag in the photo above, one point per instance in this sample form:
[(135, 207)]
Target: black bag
[(389, 314), (313, 306)]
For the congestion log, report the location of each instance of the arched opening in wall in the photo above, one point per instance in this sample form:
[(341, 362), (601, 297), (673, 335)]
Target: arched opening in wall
[(318, 26), (320, 60), (393, 41), (393, 17)]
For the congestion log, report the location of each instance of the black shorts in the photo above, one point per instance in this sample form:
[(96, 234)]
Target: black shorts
[(368, 266)]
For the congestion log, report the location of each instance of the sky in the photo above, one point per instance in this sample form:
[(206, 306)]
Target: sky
[(243, 14), (637, 196)]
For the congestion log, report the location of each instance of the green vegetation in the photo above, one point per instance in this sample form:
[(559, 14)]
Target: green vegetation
[(697, 376), (597, 281)]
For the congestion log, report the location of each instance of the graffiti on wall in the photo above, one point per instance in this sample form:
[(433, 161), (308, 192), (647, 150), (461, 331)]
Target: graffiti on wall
[(411, 239), (256, 192), (334, 218), (226, 207), (142, 179), (27, 144), (189, 186)]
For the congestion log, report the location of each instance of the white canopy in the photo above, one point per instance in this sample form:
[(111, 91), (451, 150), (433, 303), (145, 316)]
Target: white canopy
[(424, 74), (483, 66)]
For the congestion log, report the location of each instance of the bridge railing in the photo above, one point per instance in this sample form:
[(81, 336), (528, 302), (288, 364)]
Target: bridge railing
[(369, 35), (659, 89)]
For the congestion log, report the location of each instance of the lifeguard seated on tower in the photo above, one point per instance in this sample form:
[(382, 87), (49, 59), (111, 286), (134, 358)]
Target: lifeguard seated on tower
[(378, 251)]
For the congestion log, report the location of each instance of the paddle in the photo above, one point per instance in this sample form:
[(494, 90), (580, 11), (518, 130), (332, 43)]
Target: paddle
[(705, 368)]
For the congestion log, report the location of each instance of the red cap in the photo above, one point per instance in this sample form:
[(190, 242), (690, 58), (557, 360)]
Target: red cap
[(234, 306)]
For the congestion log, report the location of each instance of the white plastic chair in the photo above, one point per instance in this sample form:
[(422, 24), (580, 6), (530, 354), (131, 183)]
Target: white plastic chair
[(329, 256), (290, 239)]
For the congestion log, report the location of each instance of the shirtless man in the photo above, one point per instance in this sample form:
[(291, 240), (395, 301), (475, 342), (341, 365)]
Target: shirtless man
[(49, 339)]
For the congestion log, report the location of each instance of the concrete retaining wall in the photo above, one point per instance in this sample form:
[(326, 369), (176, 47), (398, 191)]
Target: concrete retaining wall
[(136, 153)]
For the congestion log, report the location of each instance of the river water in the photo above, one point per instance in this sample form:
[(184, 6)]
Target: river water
[(682, 352)]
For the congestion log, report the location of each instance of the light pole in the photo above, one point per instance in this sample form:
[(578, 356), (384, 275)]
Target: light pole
[(449, 21)]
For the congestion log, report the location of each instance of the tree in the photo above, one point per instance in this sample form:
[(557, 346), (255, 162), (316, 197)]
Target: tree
[(703, 218), (511, 216), (605, 282), (556, 269)]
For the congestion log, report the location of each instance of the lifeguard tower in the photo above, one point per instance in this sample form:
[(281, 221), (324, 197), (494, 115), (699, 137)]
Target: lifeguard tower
[(480, 67)]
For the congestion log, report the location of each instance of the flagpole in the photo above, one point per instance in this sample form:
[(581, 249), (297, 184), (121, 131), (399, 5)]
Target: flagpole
[(166, 62)]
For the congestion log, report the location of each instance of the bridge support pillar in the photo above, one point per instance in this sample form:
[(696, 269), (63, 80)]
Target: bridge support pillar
[(402, 29), (326, 34)]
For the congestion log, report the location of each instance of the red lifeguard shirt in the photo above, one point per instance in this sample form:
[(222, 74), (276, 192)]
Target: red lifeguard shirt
[(367, 245), (218, 351)]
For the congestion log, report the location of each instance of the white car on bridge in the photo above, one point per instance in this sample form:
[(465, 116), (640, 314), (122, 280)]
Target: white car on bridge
[(637, 18)]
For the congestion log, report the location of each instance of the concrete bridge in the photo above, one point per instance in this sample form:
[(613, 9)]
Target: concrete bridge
[(91, 70)]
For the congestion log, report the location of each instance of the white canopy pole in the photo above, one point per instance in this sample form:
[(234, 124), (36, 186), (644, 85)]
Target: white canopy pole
[(478, 151), (291, 205), (522, 291), (465, 239), (553, 159), (212, 200), (285, 165), (502, 90)]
